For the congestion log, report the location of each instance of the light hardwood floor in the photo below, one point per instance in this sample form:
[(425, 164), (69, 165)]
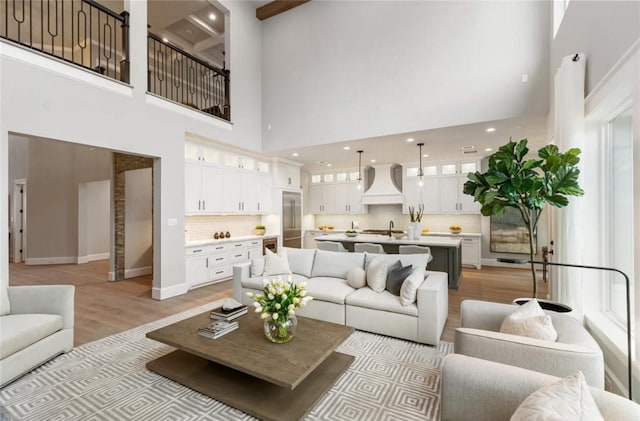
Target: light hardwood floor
[(103, 308)]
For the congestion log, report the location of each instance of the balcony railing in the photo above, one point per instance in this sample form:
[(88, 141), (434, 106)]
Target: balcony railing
[(82, 32), (180, 77)]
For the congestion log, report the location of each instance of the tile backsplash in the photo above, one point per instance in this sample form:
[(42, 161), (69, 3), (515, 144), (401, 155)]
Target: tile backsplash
[(203, 227), (380, 215)]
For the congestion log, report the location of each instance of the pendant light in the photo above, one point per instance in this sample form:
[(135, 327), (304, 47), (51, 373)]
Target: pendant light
[(360, 170), (420, 172)]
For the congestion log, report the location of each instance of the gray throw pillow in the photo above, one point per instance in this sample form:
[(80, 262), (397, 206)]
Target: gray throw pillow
[(396, 277)]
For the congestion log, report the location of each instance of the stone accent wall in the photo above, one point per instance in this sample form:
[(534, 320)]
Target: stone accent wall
[(121, 164)]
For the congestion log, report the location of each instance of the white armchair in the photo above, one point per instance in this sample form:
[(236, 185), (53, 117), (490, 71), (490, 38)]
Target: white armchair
[(37, 327), (479, 336), (479, 390)]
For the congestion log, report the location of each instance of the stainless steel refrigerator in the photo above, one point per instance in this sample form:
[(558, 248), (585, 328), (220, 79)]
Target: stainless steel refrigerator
[(291, 219)]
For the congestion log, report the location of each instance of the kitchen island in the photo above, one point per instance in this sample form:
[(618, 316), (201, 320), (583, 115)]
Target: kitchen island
[(446, 252)]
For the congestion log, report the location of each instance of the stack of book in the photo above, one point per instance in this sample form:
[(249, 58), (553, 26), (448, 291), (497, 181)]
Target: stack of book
[(228, 315), (217, 329)]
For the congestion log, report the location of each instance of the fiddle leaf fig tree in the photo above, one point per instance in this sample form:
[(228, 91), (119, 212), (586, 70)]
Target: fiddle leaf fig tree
[(526, 184)]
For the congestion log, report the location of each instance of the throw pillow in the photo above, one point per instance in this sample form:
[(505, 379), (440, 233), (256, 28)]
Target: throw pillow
[(377, 274), (357, 278), (257, 266), (529, 320), (396, 277), (409, 289), (566, 399), (276, 264)]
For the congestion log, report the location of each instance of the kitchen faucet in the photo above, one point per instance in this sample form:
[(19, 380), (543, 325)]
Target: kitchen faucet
[(390, 227)]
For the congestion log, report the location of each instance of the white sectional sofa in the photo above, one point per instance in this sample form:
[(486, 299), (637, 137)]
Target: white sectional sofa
[(36, 324), (335, 301)]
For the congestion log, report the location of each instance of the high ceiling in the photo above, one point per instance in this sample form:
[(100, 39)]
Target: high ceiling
[(187, 24), (439, 144)]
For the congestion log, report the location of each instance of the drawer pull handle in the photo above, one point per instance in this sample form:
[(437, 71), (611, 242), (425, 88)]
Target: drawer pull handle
[(219, 248), (196, 251), (219, 272), (238, 255), (220, 258)]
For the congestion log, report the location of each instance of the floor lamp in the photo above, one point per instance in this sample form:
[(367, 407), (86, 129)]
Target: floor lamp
[(626, 279)]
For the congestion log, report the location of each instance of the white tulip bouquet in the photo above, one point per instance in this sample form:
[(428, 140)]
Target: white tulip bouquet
[(278, 302)]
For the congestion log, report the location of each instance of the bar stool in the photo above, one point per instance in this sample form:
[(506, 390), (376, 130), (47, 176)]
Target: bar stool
[(416, 250), (331, 246), (369, 248)]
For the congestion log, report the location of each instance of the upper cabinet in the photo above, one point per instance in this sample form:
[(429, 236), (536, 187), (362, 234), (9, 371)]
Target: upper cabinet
[(335, 193), (221, 181), (441, 189), (286, 175)]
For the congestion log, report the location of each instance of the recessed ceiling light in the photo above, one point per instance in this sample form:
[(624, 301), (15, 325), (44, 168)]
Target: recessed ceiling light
[(425, 155), (188, 31), (410, 139), (346, 148), (329, 165), (488, 149), (491, 129), (373, 160), (295, 154), (165, 40), (212, 16), (518, 126), (468, 147)]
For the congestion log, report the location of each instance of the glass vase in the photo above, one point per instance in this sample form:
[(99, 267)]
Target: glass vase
[(280, 331)]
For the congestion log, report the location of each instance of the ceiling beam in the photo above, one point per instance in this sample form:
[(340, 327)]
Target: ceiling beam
[(276, 7)]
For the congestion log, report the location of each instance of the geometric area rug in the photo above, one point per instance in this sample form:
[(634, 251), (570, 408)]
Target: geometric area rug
[(390, 379)]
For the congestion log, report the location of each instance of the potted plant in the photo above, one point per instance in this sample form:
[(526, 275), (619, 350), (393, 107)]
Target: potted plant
[(259, 230), (526, 184)]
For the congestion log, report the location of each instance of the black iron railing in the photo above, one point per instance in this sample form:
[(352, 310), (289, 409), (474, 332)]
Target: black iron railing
[(176, 75), (82, 32)]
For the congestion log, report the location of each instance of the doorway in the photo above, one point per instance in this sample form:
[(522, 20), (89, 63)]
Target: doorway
[(18, 218)]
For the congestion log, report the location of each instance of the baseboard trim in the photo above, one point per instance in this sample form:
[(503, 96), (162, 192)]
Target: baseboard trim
[(168, 292), (93, 257), (132, 273), (50, 260)]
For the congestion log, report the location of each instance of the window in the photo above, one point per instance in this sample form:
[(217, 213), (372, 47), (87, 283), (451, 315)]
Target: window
[(619, 190), (328, 178), (316, 178), (341, 176)]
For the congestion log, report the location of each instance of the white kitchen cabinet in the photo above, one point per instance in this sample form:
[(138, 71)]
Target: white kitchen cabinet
[(471, 255), (286, 175), (322, 198), (215, 262), (194, 151), (197, 271), (232, 197), (452, 197), (428, 195), (316, 193), (354, 202), (310, 238), (348, 198), (203, 187)]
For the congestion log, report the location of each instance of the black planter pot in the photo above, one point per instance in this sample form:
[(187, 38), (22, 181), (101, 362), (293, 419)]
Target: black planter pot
[(546, 305)]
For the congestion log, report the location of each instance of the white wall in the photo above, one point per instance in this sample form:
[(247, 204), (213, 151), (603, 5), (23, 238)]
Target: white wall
[(98, 211), (18, 150), (56, 214), (138, 233), (340, 70), (45, 98), (603, 30)]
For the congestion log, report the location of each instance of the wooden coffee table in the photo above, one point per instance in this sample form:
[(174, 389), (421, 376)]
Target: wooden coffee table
[(244, 370)]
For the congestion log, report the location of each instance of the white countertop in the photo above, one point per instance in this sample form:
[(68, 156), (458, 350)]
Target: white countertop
[(384, 239), (200, 243)]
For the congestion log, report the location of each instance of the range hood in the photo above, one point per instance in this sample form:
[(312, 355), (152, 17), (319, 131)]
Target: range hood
[(385, 185)]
